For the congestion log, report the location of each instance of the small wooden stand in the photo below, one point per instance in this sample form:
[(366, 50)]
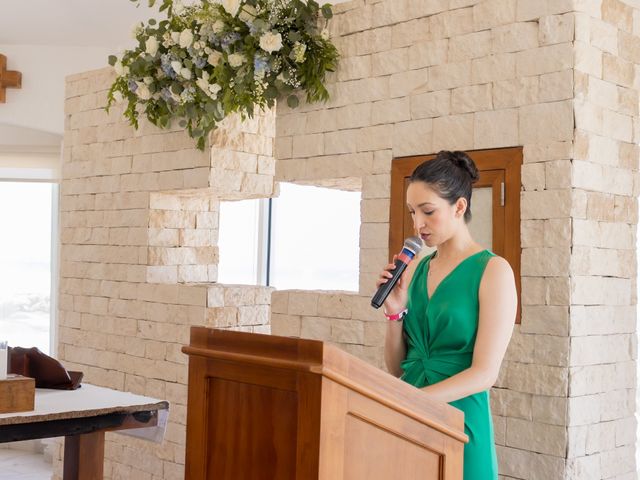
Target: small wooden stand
[(17, 394)]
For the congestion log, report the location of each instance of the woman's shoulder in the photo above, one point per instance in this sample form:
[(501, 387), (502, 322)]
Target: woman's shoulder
[(497, 271)]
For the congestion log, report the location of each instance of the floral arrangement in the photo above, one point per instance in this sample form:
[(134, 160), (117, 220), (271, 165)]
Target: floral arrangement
[(215, 57)]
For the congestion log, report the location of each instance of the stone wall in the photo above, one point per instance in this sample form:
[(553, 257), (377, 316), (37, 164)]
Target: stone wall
[(139, 256), (420, 76), (559, 78)]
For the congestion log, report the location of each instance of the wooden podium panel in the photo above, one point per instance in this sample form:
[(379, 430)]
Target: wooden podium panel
[(262, 407)]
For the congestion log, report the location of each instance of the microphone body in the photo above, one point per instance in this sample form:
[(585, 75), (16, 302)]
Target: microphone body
[(412, 246)]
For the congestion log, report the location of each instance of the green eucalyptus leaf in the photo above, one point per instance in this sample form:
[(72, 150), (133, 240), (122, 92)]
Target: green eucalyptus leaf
[(112, 60), (292, 101), (326, 11)]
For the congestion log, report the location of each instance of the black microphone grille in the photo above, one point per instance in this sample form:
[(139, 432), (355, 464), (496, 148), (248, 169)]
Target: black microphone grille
[(414, 244)]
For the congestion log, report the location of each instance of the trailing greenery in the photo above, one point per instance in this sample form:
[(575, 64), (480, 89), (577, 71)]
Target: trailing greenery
[(216, 57)]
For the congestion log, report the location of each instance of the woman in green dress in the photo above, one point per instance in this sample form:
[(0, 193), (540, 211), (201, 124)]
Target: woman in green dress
[(451, 314)]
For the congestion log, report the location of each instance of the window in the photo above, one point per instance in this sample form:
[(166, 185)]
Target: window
[(315, 239), (241, 242), (26, 220), (495, 204)]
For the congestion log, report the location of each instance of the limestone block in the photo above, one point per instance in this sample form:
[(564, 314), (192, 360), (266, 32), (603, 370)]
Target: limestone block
[(617, 70), (390, 111), (559, 124), (601, 206), (471, 99), (471, 45), (545, 204), (285, 325), (375, 40), (600, 349), (162, 274), (315, 328), (557, 232), (423, 8), (544, 467), (550, 410), (347, 331), (352, 68), (431, 104), (303, 303), (513, 462), (556, 29), (536, 437), (392, 61), (374, 138), (495, 129), (546, 59), (376, 186), (493, 13), (604, 36), (501, 66), (374, 235), (382, 161), (343, 141), (514, 37), (587, 290), (510, 403), (413, 137), (532, 233), (558, 174), (453, 132), (450, 75), (618, 14), (375, 210), (451, 23), (308, 145), (429, 53), (407, 33), (352, 116), (617, 126), (354, 20), (374, 333), (516, 92), (538, 379), (588, 59), (628, 100), (556, 86)]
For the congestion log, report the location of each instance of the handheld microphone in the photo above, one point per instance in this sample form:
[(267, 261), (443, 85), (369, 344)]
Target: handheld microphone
[(411, 248)]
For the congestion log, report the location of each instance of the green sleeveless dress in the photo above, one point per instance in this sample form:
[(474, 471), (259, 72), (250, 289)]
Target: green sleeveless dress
[(440, 334)]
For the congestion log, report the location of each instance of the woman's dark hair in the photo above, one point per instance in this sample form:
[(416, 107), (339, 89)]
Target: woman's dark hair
[(451, 175)]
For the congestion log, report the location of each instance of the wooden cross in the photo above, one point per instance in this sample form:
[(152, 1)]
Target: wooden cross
[(8, 79)]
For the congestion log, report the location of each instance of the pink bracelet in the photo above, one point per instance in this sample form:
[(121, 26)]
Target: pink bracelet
[(396, 317)]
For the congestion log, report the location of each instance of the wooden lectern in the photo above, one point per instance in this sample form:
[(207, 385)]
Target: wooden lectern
[(263, 407)]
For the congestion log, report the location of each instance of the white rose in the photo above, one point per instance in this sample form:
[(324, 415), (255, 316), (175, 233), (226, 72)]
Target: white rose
[(143, 91), (214, 88), (186, 38), (186, 73), (271, 42), (236, 59), (175, 36), (231, 6), (151, 45), (176, 65), (214, 58), (118, 68), (217, 26)]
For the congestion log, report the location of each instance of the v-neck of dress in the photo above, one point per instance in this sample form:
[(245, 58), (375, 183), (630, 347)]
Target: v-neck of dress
[(429, 297)]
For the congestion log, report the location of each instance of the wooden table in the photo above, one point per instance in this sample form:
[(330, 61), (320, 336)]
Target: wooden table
[(83, 416)]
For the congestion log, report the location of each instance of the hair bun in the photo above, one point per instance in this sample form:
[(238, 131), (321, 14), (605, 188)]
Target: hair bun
[(464, 161)]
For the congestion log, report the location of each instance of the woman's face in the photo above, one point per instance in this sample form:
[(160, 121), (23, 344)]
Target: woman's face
[(434, 219)]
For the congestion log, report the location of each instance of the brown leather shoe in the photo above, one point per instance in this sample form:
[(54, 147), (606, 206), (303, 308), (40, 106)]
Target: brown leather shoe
[(47, 371)]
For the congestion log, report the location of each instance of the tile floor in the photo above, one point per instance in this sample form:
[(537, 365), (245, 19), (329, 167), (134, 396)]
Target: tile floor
[(21, 465)]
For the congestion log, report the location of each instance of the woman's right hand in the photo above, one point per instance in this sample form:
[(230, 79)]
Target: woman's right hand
[(396, 301)]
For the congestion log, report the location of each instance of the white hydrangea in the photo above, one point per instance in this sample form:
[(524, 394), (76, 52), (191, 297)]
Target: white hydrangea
[(271, 42)]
